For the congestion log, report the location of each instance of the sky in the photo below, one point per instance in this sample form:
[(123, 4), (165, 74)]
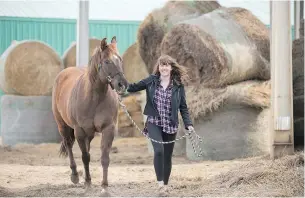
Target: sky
[(114, 9)]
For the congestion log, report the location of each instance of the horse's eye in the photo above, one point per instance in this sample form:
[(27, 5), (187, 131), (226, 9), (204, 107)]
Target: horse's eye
[(107, 61)]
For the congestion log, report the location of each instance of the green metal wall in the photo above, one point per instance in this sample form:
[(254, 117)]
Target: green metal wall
[(60, 33)]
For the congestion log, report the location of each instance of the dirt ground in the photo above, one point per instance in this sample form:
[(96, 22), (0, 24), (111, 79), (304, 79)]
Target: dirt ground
[(37, 170)]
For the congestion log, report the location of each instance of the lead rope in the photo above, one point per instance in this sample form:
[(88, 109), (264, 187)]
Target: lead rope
[(189, 133)]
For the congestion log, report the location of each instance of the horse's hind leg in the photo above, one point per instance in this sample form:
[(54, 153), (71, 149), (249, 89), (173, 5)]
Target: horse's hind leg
[(84, 144), (66, 149), (106, 143)]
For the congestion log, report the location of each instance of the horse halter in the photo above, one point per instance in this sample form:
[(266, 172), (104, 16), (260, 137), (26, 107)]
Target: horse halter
[(109, 77)]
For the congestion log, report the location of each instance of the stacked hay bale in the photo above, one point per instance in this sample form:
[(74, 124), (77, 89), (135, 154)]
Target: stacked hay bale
[(27, 72), (225, 46), (159, 22), (227, 53), (233, 120), (134, 70), (29, 68), (69, 56), (298, 87)]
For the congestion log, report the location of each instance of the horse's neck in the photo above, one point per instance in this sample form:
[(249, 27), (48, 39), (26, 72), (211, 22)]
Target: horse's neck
[(97, 90)]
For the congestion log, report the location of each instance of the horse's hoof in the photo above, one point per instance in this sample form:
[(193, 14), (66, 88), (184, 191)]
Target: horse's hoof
[(74, 178), (105, 193)]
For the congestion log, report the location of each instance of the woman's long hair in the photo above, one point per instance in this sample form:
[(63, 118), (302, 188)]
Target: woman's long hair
[(178, 74)]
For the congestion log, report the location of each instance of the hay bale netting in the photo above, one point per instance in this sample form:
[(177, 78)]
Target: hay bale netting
[(29, 68), (69, 56), (159, 21), (133, 66), (28, 119), (218, 50)]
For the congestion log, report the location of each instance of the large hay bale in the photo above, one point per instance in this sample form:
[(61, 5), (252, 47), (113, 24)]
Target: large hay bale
[(159, 21), (29, 68), (234, 131), (69, 56), (219, 49), (230, 119), (133, 66)]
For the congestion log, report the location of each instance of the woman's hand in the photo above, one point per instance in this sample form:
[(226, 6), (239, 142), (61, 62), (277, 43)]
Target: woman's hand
[(190, 128)]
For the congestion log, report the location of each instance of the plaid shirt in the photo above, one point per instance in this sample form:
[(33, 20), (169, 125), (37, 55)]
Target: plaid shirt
[(162, 99)]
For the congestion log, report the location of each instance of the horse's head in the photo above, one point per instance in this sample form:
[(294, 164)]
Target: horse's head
[(106, 64)]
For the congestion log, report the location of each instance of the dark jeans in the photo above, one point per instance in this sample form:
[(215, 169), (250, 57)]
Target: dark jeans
[(162, 152)]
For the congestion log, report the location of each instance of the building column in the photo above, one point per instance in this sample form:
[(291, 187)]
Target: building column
[(281, 126), (82, 40)]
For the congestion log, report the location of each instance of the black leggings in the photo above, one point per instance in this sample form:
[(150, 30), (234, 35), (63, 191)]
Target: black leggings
[(163, 152)]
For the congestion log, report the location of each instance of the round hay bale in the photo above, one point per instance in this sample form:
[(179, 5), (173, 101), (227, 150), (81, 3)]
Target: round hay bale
[(69, 56), (298, 66), (29, 68), (217, 50), (133, 66), (28, 119), (159, 21), (234, 131)]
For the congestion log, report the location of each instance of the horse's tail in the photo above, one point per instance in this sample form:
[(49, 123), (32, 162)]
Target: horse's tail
[(70, 139), (63, 151)]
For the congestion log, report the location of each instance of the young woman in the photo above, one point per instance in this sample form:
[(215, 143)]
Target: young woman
[(165, 95)]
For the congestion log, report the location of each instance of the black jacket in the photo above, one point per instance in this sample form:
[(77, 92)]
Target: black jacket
[(178, 99)]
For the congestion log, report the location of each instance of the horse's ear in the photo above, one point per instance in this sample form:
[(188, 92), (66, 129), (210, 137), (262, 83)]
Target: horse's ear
[(104, 44), (113, 40)]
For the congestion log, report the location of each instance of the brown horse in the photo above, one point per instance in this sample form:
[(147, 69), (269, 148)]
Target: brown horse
[(84, 103)]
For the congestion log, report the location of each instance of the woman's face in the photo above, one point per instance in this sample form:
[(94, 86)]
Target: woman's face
[(165, 69)]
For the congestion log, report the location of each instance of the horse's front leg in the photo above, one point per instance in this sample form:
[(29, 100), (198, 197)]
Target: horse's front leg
[(84, 140), (106, 143)]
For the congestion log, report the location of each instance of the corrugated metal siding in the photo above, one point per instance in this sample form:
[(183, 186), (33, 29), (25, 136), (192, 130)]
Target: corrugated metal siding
[(60, 33)]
